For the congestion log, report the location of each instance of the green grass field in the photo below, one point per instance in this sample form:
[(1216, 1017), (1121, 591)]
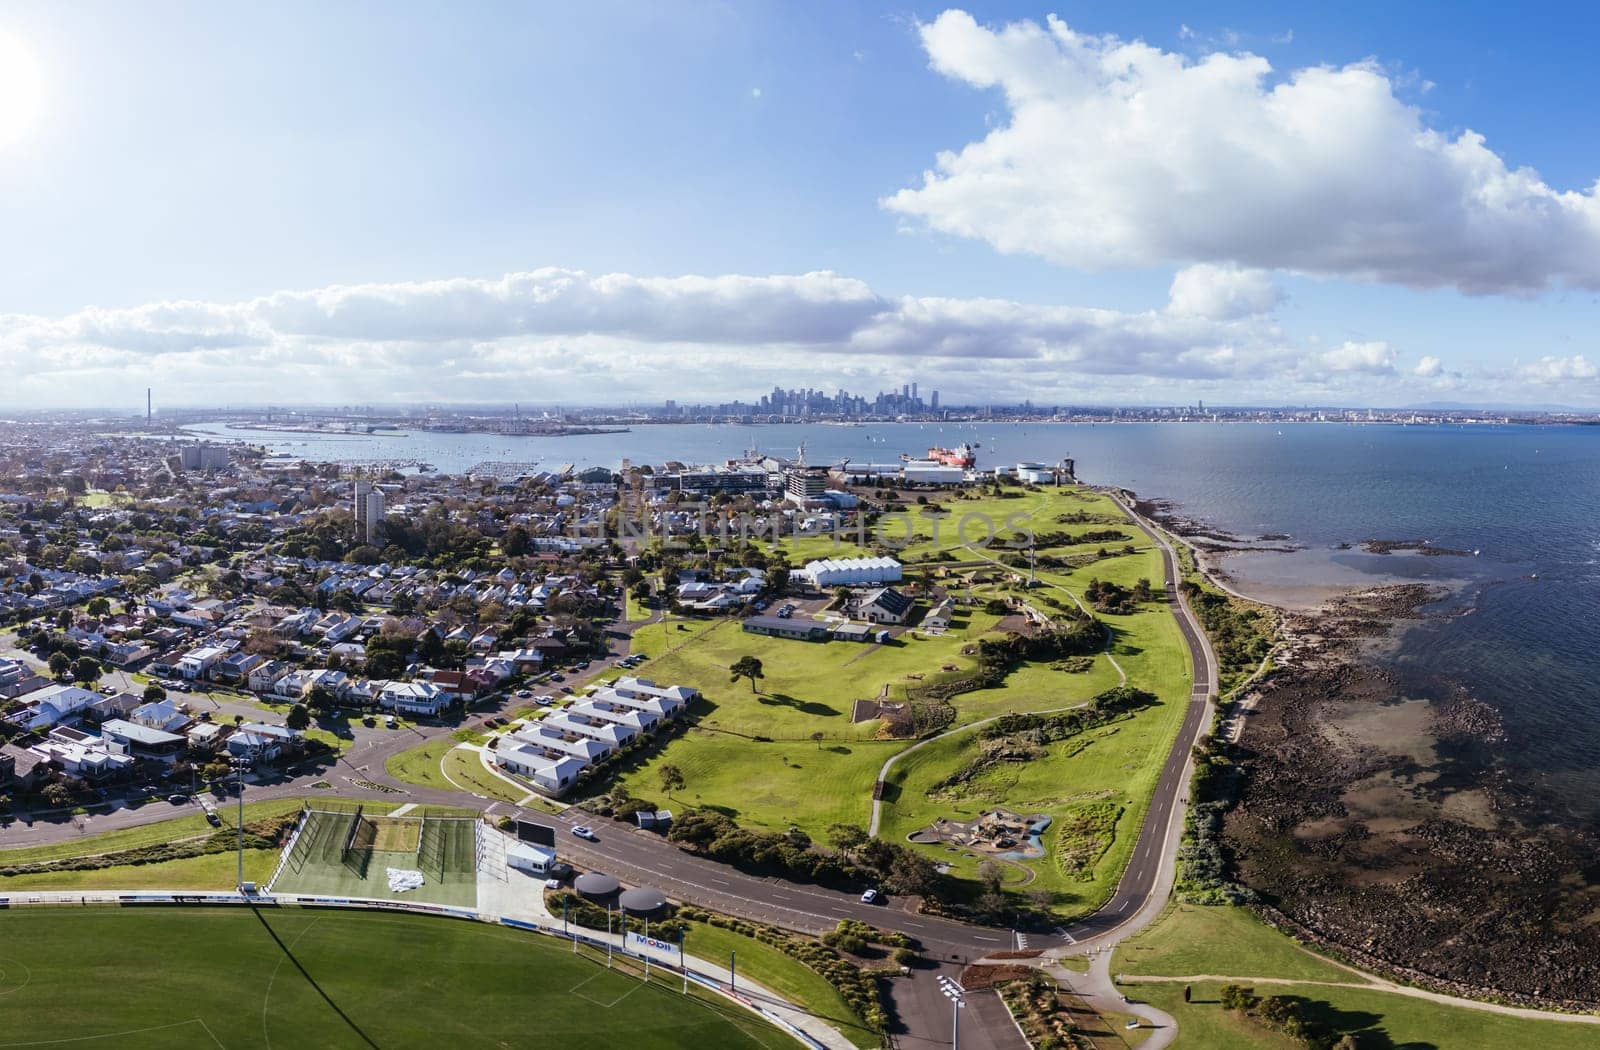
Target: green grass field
[(754, 755), (319, 864), (778, 973), (298, 978), (1193, 940)]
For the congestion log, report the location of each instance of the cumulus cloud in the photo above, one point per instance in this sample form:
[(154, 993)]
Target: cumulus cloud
[(1222, 293), (1116, 153), (1374, 359), (608, 337), (1429, 367), (1558, 369)]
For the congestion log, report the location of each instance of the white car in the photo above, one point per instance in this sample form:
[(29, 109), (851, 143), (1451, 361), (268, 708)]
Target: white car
[(552, 884), (584, 831), (869, 897)]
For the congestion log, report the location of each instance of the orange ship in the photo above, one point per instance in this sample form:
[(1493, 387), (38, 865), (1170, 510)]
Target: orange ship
[(965, 456)]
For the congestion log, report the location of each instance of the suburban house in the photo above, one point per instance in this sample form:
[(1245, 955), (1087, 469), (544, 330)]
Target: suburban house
[(938, 619), (198, 662), (413, 698), (259, 742), (51, 705), (131, 738), (265, 675), (164, 715)]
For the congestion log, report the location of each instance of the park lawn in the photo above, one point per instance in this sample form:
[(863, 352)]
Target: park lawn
[(770, 785), (1200, 939), (1119, 763), (335, 979), (211, 871), (777, 972), (187, 827), (1191, 939), (421, 765), (808, 687), (465, 767), (1382, 1018)]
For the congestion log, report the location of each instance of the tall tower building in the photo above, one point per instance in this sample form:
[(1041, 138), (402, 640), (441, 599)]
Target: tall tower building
[(369, 510)]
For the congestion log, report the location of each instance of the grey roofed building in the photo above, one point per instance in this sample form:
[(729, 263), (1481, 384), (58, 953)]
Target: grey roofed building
[(779, 627)]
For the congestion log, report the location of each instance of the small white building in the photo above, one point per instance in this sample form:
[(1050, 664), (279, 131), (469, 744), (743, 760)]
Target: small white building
[(525, 856)]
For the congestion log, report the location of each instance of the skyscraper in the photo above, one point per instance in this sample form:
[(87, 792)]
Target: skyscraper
[(369, 510)]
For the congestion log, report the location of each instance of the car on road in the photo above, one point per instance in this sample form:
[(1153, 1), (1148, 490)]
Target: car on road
[(178, 800), (558, 678), (584, 831), (524, 693), (871, 897)]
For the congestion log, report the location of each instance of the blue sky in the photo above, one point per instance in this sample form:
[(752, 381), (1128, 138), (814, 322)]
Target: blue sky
[(216, 154)]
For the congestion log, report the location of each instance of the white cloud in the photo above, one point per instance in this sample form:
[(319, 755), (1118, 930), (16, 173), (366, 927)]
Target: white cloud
[(556, 333), (1428, 368), (1558, 369), (1374, 359), (1117, 153), (1222, 292)]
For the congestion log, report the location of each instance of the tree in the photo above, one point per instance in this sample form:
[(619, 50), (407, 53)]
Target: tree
[(87, 670), (671, 778), (298, 717), (99, 607), (60, 664), (154, 693), (320, 700), (846, 836), (817, 738), (747, 667)]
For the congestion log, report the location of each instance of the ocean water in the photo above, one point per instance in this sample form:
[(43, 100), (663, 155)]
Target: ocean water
[(1526, 498)]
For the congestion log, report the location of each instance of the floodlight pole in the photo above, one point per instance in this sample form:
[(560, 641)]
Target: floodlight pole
[(683, 960), (238, 767), (644, 949), (733, 976), (608, 935)]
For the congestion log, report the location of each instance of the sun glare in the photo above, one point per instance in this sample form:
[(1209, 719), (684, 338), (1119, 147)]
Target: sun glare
[(20, 90)]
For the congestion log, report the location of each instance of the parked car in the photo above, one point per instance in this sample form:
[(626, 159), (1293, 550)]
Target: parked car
[(524, 693), (214, 819)]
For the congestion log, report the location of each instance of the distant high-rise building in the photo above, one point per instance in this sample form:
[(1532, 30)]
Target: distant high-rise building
[(933, 400), (369, 510)]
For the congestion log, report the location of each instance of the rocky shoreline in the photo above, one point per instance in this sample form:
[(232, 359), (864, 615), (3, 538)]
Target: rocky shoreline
[(1378, 822)]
